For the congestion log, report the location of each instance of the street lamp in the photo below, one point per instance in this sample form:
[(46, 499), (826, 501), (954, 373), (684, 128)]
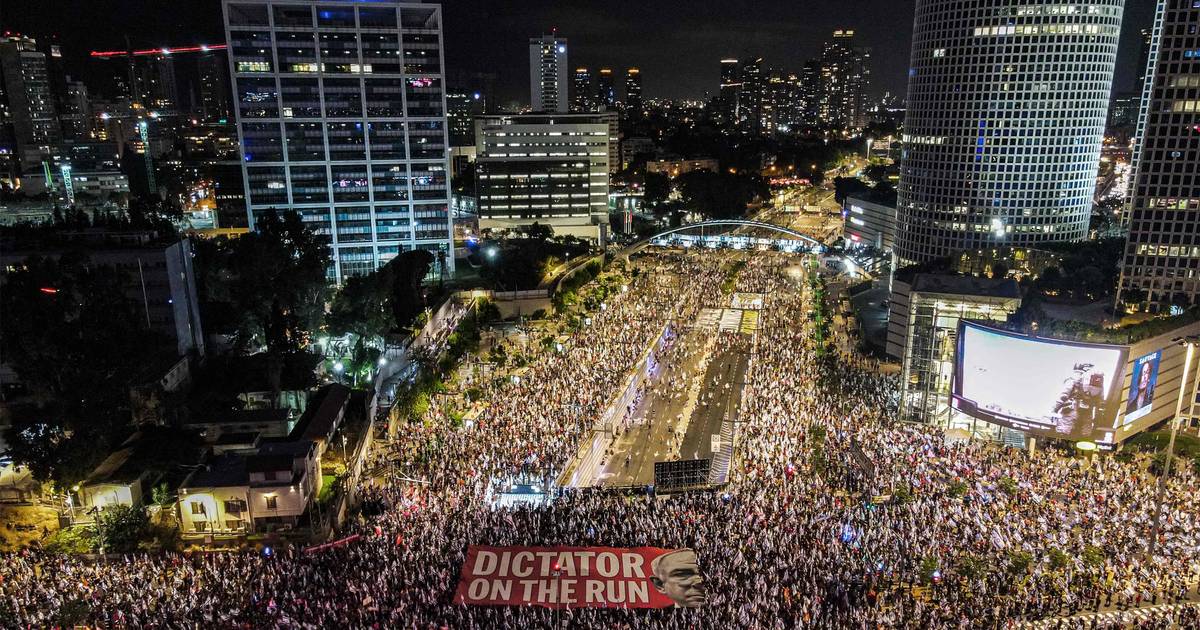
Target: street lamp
[(1190, 342)]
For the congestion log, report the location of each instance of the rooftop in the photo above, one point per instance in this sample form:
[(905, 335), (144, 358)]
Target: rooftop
[(227, 470), (967, 285), (322, 412)]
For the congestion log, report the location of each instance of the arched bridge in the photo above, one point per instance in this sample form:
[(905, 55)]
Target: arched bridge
[(810, 243)]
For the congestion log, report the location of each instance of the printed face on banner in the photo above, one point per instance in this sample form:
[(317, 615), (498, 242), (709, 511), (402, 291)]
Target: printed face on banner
[(581, 577)]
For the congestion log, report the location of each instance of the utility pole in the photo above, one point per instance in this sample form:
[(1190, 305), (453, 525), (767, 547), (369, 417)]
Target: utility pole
[(1190, 343)]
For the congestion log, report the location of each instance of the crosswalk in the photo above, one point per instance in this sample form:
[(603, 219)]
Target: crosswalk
[(728, 320), (731, 320), (708, 319), (1136, 618)]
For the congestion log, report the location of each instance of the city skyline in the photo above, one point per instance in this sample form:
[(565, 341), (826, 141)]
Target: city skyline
[(617, 35)]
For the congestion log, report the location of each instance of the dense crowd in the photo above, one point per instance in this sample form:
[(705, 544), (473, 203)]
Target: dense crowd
[(835, 516)]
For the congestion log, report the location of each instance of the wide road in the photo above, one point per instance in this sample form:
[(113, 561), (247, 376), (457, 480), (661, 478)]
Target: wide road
[(682, 411)]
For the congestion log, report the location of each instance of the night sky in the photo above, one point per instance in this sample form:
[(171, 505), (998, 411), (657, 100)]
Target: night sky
[(677, 50)]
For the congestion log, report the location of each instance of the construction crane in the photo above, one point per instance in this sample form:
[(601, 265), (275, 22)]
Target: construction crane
[(164, 51), (130, 54)]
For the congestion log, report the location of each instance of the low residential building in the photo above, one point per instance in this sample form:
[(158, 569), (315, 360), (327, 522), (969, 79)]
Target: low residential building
[(324, 415), (868, 223), (248, 379), (118, 480), (238, 494), (923, 330), (675, 168), (266, 423)]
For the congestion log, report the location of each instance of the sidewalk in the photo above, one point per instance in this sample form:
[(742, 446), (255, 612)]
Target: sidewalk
[(1133, 617)]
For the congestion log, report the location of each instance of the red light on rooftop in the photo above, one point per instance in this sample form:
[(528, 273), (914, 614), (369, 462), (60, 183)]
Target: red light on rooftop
[(157, 51)]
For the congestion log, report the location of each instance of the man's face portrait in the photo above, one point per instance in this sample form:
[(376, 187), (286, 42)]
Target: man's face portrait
[(677, 575)]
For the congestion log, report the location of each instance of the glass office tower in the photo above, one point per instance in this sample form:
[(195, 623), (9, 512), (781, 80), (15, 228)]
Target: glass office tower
[(1006, 109), (341, 115)]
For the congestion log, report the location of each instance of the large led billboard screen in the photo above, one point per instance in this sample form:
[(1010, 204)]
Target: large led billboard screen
[(1047, 386)]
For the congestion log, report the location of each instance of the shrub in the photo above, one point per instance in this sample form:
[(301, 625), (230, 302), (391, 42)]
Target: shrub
[(71, 540)]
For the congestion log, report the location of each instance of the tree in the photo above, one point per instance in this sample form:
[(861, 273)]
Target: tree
[(407, 271), (362, 309), (78, 341), (657, 189), (720, 195), (274, 278), (539, 231), (122, 527)]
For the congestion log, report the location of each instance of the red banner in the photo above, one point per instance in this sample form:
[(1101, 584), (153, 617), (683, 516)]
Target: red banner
[(581, 577)]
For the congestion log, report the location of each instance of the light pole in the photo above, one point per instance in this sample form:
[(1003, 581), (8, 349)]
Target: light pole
[(1190, 342)]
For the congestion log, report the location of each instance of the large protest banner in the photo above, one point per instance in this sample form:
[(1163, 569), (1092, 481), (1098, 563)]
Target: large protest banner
[(581, 577)]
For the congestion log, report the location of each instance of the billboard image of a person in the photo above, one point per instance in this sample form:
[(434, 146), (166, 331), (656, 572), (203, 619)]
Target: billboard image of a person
[(1141, 389), (676, 574)]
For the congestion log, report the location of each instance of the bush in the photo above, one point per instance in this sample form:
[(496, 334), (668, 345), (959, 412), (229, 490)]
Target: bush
[(1093, 556), (1058, 559), (71, 540), (1008, 485), (971, 567), (1019, 562), (958, 489), (929, 565), (121, 527)]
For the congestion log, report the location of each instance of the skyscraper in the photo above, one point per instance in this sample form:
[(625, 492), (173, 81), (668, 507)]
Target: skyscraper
[(750, 97), (31, 103), (633, 91), (1004, 125), (75, 113), (356, 90), (583, 97), (213, 70), (548, 73), (1162, 254), (845, 77), (606, 91), (810, 92), (731, 85)]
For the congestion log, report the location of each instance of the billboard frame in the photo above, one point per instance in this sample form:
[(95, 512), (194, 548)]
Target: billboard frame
[(1112, 403)]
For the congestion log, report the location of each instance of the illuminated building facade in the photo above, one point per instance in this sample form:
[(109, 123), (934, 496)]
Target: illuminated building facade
[(1006, 112), (341, 115), (548, 168), (923, 330), (548, 73), (1162, 255)]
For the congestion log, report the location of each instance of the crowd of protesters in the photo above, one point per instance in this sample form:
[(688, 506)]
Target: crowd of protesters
[(836, 516)]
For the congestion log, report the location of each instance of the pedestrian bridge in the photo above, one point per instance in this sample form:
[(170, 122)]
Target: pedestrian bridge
[(722, 233)]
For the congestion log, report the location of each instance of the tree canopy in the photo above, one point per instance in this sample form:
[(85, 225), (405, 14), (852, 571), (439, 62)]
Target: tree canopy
[(78, 342), (274, 281)]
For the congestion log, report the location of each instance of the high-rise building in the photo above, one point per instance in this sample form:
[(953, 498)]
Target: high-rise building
[(549, 169), (810, 93), (845, 77), (461, 109), (633, 91), (583, 96), (548, 73), (1162, 254), (727, 96), (213, 70), (750, 97), (341, 116), (75, 111), (606, 91), (31, 104), (1004, 125)]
